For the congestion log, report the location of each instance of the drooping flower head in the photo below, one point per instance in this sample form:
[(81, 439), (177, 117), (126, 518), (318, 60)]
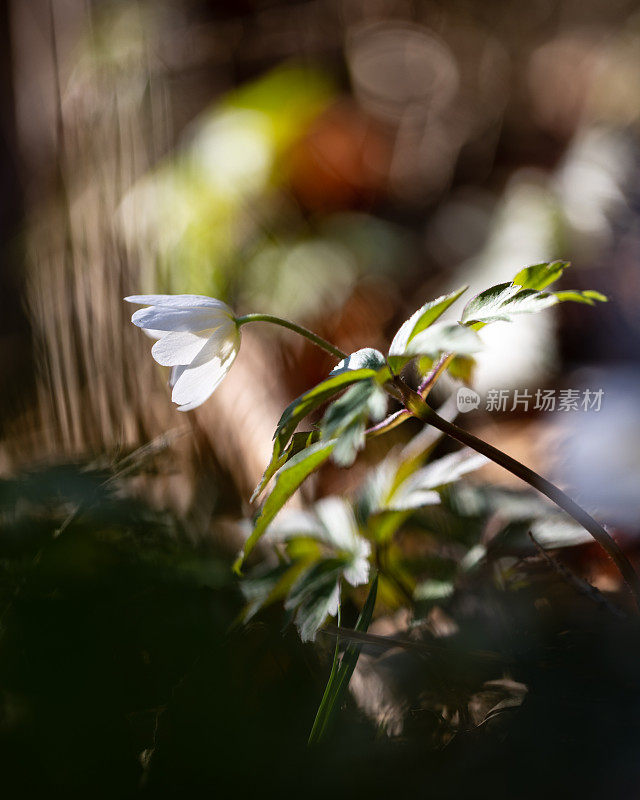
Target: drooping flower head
[(197, 337)]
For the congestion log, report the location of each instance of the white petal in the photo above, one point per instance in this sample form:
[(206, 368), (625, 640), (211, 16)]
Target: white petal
[(196, 382), (179, 347), (175, 373), (178, 301), (165, 318), (154, 334), (224, 338)]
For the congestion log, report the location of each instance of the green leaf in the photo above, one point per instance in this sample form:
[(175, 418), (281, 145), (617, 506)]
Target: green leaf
[(331, 522), (341, 676), (539, 276), (503, 302), (367, 358), (349, 444), (523, 296), (373, 501), (588, 296), (316, 596), (421, 488), (367, 364), (303, 405), (422, 319), (444, 337), (384, 525), (460, 367), (309, 401), (346, 419), (288, 479), (298, 442), (359, 366), (264, 587), (365, 399)]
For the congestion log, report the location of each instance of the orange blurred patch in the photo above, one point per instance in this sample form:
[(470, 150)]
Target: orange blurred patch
[(342, 162)]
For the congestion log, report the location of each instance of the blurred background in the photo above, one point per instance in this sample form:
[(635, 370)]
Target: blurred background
[(336, 163)]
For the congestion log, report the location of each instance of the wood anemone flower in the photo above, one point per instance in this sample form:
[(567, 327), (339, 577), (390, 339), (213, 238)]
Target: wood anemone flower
[(197, 337)]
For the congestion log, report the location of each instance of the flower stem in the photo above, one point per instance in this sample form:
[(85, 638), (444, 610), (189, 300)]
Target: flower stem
[(420, 409), (285, 323)]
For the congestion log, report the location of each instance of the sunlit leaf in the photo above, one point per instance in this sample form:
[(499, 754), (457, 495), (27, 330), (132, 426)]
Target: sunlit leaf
[(444, 337), (421, 488), (332, 523), (422, 319), (367, 358), (401, 484), (588, 296), (278, 459), (263, 587), (385, 524), (372, 505), (363, 365), (309, 401), (539, 276), (346, 419), (315, 596), (504, 301), (299, 408), (523, 296), (459, 367), (287, 480)]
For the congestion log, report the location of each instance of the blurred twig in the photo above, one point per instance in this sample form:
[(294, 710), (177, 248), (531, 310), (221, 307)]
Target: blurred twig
[(389, 642), (581, 585), (126, 466)]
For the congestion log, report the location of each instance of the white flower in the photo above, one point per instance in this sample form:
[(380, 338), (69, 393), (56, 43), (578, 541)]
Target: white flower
[(197, 336)]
